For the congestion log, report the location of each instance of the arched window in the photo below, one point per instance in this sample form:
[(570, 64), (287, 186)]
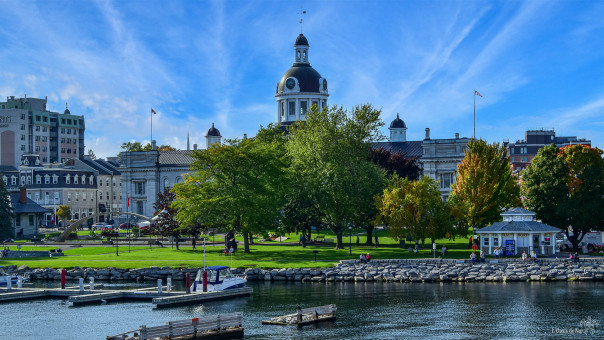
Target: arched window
[(28, 179), (38, 179), (166, 183), (22, 180)]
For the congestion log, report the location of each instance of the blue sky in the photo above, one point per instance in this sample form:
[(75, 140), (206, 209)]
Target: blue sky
[(537, 64)]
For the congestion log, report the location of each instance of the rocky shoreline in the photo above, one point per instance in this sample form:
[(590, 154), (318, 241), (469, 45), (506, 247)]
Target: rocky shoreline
[(353, 271)]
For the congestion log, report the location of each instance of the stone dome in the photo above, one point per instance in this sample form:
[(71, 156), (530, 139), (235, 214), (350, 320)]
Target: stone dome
[(308, 78), (398, 123), (301, 40), (213, 132)]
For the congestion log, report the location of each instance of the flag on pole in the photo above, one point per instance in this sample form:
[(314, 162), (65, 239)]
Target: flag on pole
[(153, 111), (128, 201), (476, 93)]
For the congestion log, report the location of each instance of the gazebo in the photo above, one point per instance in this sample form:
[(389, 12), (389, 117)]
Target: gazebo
[(519, 232)]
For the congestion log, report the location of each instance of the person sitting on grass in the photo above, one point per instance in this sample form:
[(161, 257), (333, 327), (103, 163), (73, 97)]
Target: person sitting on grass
[(368, 257), (362, 258)]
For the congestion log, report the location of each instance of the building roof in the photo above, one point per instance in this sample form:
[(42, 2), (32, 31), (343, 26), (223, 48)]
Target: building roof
[(409, 149), (30, 207), (108, 165), (213, 132), (518, 227), (4, 168), (308, 78), (398, 123), (92, 164), (176, 157), (301, 40), (517, 211)]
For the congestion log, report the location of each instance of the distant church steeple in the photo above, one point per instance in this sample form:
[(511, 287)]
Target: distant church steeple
[(188, 147)]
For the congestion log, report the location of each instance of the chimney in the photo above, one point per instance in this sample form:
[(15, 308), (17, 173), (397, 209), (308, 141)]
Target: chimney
[(153, 145), (456, 135), (194, 146), (427, 133), (23, 195)]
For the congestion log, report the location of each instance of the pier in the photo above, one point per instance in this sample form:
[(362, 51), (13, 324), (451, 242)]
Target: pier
[(160, 296), (306, 316), (223, 326)]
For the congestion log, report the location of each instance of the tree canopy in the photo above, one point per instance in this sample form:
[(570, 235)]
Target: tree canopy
[(138, 146), (414, 208), (167, 225), (396, 163), (6, 214), (240, 183), (484, 186), (329, 154), (565, 188)]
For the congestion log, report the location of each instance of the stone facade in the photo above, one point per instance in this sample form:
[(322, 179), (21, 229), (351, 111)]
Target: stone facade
[(146, 173)]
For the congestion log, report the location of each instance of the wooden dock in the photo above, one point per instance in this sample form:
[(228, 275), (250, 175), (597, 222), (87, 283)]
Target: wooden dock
[(223, 326), (79, 297), (305, 316)]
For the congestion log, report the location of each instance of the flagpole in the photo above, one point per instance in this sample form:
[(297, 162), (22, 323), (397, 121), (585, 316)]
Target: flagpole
[(151, 141), (474, 114)]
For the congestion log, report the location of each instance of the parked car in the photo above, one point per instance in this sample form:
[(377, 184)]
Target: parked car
[(99, 226), (127, 225)]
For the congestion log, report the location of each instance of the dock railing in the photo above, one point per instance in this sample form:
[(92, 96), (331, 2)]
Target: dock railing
[(186, 327)]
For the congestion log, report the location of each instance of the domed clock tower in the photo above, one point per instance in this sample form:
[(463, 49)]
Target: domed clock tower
[(300, 87)]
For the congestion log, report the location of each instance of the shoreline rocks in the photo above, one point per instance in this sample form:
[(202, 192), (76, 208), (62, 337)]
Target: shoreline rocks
[(352, 271)]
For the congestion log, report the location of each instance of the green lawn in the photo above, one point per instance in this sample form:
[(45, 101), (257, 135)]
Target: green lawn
[(262, 256)]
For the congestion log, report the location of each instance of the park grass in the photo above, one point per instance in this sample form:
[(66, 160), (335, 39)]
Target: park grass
[(260, 256)]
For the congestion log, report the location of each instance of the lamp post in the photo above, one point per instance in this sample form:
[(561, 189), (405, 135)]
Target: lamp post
[(350, 240)]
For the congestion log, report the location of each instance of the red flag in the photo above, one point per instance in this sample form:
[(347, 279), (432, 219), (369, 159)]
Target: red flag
[(128, 201), (153, 111), (476, 93)]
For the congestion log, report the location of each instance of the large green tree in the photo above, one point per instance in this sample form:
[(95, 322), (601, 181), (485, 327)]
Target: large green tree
[(414, 208), (240, 183), (329, 154), (484, 186), (6, 214), (565, 188)]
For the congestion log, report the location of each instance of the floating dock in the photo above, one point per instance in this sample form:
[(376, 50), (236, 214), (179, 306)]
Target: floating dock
[(223, 326), (159, 297), (305, 316)]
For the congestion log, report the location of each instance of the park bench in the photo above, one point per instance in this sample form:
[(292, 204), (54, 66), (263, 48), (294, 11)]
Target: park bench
[(156, 243)]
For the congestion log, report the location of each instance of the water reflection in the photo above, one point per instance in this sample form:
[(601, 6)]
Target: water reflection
[(365, 310)]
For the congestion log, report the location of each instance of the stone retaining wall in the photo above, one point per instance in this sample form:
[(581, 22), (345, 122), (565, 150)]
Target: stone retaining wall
[(425, 270)]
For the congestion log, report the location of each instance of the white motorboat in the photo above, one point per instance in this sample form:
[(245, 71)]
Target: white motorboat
[(219, 278), (12, 277)]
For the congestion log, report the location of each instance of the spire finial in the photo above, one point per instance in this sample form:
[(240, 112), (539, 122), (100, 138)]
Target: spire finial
[(212, 124), (302, 12), (188, 147), (66, 106), (397, 115)]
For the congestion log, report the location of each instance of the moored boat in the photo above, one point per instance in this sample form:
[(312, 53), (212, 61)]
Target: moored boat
[(218, 278), (14, 279)]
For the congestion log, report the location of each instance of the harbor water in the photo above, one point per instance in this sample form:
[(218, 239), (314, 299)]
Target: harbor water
[(371, 310)]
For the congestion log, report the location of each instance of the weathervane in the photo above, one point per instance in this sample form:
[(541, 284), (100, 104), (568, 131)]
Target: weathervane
[(302, 12)]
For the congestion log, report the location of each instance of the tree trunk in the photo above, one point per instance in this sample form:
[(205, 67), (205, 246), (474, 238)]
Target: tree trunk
[(369, 230), (177, 239), (339, 243), (246, 244)]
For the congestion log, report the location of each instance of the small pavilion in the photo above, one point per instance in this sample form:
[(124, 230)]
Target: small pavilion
[(519, 232)]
